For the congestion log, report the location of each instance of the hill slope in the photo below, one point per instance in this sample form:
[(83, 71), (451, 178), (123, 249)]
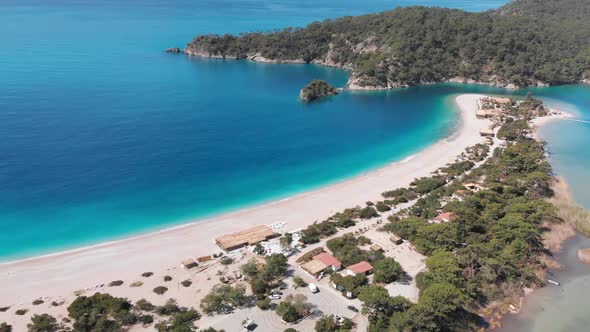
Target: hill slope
[(527, 42)]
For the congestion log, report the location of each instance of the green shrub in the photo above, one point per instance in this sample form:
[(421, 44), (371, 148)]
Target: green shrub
[(21, 312), (299, 282), (38, 302), (167, 278), (186, 283), (144, 305), (146, 319), (43, 323), (168, 309), (136, 284), (226, 261), (147, 274), (5, 327), (382, 207), (263, 304), (116, 283), (368, 212), (160, 290), (4, 309)]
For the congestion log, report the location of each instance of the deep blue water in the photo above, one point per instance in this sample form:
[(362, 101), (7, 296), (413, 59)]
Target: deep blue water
[(103, 135)]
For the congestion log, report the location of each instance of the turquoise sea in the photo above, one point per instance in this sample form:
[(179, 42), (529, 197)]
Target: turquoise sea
[(102, 135)]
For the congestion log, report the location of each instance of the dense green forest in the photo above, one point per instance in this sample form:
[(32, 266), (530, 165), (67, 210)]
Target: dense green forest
[(527, 42)]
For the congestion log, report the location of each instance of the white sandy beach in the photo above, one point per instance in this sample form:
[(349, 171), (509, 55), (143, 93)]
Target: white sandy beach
[(59, 275)]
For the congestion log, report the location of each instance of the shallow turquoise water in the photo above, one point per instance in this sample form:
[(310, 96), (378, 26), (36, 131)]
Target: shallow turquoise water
[(104, 135)]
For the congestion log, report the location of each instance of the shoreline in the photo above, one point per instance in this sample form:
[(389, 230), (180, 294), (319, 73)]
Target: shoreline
[(351, 84), (101, 263)]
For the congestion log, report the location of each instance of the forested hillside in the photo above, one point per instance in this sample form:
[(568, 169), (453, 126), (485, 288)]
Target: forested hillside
[(528, 42)]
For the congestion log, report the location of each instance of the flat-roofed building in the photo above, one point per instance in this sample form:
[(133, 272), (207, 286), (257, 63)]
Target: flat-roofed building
[(314, 267), (248, 237)]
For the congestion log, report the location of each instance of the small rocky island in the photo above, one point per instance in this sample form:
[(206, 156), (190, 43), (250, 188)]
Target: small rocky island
[(315, 90)]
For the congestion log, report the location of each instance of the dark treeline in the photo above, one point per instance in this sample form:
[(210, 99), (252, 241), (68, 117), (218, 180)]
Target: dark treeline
[(522, 43)]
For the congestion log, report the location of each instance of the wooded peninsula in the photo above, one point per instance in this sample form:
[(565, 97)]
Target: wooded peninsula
[(525, 43)]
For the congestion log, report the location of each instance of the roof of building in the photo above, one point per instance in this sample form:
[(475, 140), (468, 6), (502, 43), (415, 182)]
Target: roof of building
[(327, 259), (501, 100), (249, 236), (314, 266), (446, 217), (376, 247), (361, 267)]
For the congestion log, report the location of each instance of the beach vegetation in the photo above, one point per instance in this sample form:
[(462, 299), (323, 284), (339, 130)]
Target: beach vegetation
[(349, 284), (346, 249), (286, 240), (425, 185), (316, 231), (264, 304), (38, 302), (147, 274), (4, 327), (21, 312), (146, 319), (169, 308), (101, 312), (160, 290), (43, 323), (222, 296), (290, 330), (226, 261), (167, 278), (186, 283), (329, 324), (264, 277), (387, 270), (181, 321), (144, 305), (4, 309), (491, 250), (368, 212), (299, 282), (294, 308), (382, 207), (116, 283), (136, 284)]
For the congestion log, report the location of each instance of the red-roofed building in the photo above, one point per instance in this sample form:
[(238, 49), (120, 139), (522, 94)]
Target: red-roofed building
[(329, 260), (444, 217), (359, 268)]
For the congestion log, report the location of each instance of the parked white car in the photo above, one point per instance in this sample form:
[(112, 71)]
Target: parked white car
[(313, 288)]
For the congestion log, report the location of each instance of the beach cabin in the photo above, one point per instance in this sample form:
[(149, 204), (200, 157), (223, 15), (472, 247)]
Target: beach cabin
[(314, 268), (329, 261), (376, 248), (189, 263), (359, 268), (396, 239), (503, 101), (486, 132), (248, 237), (488, 113)]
